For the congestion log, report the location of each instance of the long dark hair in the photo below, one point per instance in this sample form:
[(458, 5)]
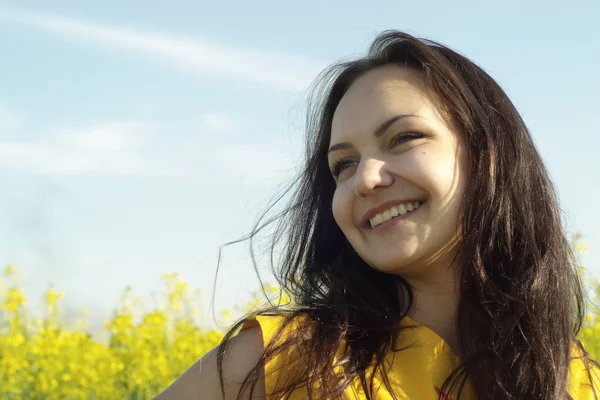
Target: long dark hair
[(521, 301)]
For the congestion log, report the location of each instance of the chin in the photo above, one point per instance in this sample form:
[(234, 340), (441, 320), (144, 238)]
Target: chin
[(391, 266)]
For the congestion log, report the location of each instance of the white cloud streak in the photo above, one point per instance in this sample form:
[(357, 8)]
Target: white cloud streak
[(286, 71), (216, 123), (108, 148), (138, 149)]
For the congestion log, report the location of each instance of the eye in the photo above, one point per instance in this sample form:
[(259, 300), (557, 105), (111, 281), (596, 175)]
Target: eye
[(405, 137), (339, 165)]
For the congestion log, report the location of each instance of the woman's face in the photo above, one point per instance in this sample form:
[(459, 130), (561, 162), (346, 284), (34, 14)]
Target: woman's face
[(400, 173)]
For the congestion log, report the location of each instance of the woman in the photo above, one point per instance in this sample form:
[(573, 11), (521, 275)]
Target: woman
[(423, 248)]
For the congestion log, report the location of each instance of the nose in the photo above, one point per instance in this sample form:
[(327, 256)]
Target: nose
[(370, 175)]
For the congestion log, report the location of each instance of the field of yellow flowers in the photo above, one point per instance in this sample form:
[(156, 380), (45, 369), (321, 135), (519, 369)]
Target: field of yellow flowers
[(45, 358)]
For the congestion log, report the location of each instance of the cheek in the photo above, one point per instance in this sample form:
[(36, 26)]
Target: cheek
[(437, 172), (450, 180), (341, 206)]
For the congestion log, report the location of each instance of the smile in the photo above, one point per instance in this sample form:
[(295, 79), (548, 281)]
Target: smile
[(396, 212)]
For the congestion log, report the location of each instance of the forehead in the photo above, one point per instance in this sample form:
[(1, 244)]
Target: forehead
[(379, 95)]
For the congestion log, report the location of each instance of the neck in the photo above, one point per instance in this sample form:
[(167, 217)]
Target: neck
[(435, 303)]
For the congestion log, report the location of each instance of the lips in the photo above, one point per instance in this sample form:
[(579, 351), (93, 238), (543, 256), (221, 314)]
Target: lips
[(394, 212), (387, 206)]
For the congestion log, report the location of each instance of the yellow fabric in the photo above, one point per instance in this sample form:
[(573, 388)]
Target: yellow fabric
[(417, 372)]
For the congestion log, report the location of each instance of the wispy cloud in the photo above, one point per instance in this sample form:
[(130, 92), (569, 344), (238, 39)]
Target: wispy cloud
[(216, 123), (107, 148), (287, 71), (141, 149)]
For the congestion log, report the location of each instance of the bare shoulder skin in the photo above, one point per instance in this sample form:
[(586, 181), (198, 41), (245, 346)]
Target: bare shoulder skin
[(201, 380)]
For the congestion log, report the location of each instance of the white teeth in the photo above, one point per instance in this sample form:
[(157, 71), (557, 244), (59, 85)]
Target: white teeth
[(377, 220), (393, 212), (387, 215)]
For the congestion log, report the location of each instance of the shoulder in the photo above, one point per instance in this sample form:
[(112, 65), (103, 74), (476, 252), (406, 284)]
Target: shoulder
[(242, 353), (201, 380), (277, 328), (286, 341)]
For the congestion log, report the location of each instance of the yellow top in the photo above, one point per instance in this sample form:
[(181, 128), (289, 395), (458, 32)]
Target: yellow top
[(417, 372)]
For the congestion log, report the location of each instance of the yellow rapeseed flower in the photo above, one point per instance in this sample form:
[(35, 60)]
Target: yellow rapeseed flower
[(14, 300), (10, 271), (53, 297)]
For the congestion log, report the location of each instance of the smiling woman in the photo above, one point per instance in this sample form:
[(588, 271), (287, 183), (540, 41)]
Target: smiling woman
[(423, 250)]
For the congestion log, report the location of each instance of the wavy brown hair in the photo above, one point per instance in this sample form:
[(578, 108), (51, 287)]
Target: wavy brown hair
[(521, 301)]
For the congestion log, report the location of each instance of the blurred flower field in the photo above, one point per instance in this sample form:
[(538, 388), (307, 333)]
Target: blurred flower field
[(144, 351)]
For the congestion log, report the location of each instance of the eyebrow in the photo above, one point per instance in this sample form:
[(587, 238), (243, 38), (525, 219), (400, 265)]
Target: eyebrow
[(377, 133)]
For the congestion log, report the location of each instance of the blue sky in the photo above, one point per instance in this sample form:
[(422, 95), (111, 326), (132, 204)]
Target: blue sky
[(136, 137)]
